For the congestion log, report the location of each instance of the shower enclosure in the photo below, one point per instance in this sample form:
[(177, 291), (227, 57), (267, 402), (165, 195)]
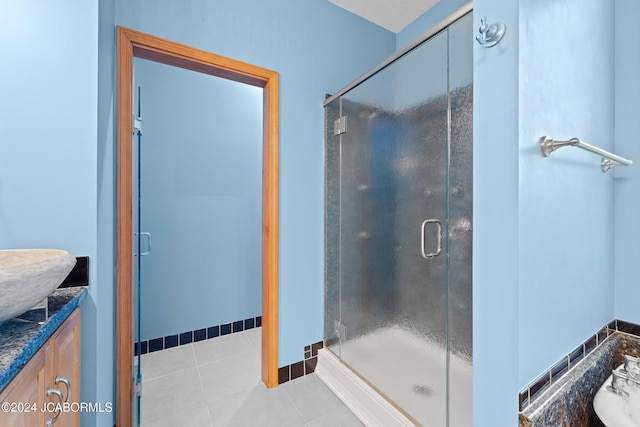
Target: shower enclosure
[(398, 188)]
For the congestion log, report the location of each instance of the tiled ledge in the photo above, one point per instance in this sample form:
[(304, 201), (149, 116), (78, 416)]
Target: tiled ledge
[(538, 386), (543, 402)]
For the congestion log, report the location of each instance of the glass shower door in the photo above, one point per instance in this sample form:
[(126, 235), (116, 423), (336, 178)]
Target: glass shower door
[(138, 253), (393, 231), (398, 229), (460, 324)]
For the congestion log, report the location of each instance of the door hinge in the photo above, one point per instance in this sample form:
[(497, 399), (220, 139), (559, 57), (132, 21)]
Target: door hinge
[(340, 126), (340, 330), (137, 125), (137, 389)]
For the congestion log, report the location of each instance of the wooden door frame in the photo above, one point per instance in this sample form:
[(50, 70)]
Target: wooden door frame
[(130, 44)]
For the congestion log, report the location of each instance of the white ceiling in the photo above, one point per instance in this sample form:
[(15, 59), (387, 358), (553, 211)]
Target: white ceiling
[(393, 15)]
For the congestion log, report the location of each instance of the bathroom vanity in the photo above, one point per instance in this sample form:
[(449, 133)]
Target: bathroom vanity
[(40, 364)]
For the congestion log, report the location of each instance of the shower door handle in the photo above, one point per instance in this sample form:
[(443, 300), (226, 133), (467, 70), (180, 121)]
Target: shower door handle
[(146, 233), (423, 242)]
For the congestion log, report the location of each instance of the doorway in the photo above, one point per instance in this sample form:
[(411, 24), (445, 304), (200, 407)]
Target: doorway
[(132, 44)]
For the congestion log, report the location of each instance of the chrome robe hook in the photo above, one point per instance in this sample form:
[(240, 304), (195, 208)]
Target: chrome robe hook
[(490, 35)]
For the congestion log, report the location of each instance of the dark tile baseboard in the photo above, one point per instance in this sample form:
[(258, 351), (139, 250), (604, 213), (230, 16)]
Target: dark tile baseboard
[(169, 341), (304, 367), (538, 386)]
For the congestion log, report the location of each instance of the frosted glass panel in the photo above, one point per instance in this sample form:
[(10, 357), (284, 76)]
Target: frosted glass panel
[(460, 220), (394, 178), (398, 229), (332, 229)]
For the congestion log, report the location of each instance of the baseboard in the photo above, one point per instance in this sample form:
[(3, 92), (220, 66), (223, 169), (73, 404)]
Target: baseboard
[(371, 408)]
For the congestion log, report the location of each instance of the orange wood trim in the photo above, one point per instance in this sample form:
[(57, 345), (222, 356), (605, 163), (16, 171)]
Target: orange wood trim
[(167, 52), (124, 233), (132, 43), (270, 234)]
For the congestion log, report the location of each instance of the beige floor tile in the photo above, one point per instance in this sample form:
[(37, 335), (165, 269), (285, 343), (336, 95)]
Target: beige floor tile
[(197, 418), (173, 394), (217, 382), (342, 417), (160, 363), (311, 396), (256, 407), (231, 375), (255, 336), (221, 348)]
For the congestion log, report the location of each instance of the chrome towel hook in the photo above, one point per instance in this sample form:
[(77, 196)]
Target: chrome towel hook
[(490, 35)]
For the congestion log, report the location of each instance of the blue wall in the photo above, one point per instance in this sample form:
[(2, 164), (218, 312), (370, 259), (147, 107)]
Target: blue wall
[(48, 166), (566, 202), (201, 199), (48, 117), (98, 381), (495, 221), (627, 182), (293, 38)]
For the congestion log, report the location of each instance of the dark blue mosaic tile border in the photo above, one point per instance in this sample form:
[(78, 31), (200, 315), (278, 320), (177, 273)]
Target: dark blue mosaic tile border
[(188, 337), (538, 386)]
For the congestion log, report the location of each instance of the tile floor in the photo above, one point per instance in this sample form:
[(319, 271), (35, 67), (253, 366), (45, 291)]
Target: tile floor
[(217, 383)]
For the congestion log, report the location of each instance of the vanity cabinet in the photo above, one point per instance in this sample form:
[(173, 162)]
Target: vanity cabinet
[(51, 377)]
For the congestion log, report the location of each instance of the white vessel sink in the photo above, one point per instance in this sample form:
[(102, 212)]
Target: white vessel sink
[(27, 276), (616, 410)]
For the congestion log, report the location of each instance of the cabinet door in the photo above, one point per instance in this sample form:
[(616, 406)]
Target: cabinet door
[(27, 389), (66, 367)]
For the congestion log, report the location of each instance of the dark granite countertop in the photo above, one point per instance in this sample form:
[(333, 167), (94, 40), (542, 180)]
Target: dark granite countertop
[(20, 339)]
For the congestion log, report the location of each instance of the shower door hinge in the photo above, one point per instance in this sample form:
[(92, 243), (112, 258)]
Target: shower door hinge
[(340, 330), (137, 388), (137, 125), (340, 126)]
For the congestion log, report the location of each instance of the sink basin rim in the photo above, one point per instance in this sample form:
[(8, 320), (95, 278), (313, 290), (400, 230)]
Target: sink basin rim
[(27, 276)]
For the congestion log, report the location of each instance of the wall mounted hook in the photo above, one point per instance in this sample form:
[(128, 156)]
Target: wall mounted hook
[(490, 35)]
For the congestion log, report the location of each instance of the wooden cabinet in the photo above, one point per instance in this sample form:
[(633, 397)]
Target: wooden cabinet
[(27, 397), (65, 355), (27, 388)]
